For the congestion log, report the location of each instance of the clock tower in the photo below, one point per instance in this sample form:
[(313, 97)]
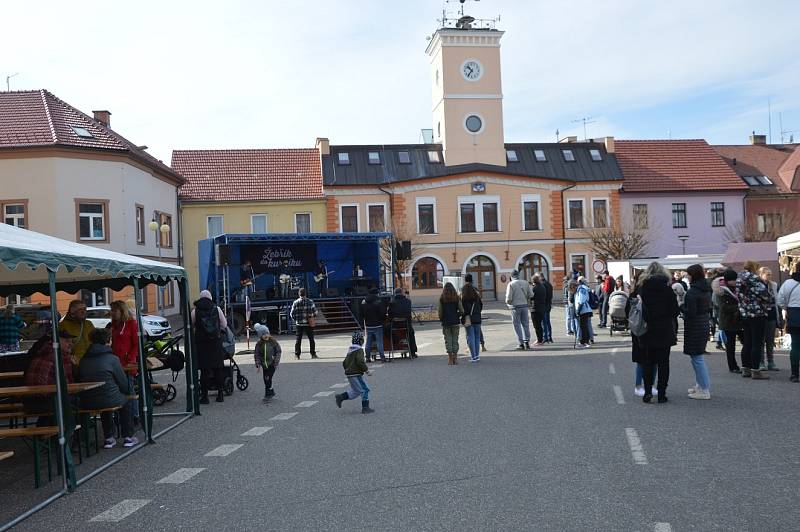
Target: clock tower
[(467, 94)]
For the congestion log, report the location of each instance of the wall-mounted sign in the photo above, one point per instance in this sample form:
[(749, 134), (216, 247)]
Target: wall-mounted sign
[(478, 188)]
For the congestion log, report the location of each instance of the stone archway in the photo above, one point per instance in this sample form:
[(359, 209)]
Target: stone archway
[(484, 274)]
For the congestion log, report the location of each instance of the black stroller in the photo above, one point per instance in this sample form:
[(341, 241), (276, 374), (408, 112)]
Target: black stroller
[(164, 354), (229, 345)]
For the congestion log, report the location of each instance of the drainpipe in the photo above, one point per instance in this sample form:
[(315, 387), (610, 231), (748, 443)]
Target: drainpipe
[(564, 226)]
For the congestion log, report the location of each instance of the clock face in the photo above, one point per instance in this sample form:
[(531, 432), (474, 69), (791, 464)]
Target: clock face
[(471, 70)]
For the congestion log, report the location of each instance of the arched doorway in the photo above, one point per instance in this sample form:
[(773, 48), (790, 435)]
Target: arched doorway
[(427, 273), (482, 269), (533, 263)]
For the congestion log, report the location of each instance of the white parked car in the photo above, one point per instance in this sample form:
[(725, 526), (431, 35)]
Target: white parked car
[(154, 326)]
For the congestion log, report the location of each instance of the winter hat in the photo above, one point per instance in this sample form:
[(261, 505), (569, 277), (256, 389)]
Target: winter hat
[(358, 338), (468, 278), (261, 329), (729, 275), (515, 274)]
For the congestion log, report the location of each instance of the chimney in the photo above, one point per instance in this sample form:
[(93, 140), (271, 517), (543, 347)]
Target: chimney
[(323, 145), (609, 144), (758, 140), (104, 117)]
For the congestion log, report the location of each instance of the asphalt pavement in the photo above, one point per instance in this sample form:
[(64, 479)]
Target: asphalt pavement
[(548, 439)]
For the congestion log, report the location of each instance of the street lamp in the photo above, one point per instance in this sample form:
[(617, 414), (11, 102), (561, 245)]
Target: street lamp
[(164, 229), (683, 239)]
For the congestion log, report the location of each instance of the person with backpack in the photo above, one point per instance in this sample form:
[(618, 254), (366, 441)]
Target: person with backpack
[(633, 310), (659, 310), (583, 309), (209, 322), (267, 356), (696, 309), (730, 322)]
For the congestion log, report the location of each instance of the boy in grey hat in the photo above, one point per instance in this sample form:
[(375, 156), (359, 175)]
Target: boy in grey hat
[(267, 356)]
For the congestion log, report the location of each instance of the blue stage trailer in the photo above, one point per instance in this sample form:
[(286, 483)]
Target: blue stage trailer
[(270, 268)]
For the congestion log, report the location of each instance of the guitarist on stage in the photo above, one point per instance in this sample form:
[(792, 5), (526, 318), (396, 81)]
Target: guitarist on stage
[(321, 277), (285, 279), (246, 280)]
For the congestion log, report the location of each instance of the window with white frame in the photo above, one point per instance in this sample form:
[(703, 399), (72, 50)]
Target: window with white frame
[(539, 156), (92, 220), (600, 213), (426, 216), (14, 214), (479, 214), (344, 158), (258, 224), (376, 217), (511, 156), (575, 212), (165, 237), (214, 225), (140, 230), (531, 214), (374, 157), (348, 218), (302, 222)]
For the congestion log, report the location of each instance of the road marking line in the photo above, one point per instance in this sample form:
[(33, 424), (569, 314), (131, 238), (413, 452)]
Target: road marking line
[(120, 511), (612, 369), (614, 351), (324, 394), (341, 385), (636, 446), (224, 450), (618, 393), (305, 404), (662, 527), (256, 431), (283, 416), (181, 475)]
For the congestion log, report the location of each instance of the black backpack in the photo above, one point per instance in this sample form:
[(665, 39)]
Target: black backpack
[(208, 322)]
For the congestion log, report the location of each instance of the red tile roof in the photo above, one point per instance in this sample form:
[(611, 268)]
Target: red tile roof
[(33, 119), (674, 166), (249, 175), (772, 161)]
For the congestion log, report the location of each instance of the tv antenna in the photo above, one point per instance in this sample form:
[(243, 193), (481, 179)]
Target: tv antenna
[(786, 131), (585, 120), (8, 80)]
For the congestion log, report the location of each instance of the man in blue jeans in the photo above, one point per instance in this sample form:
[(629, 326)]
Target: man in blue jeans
[(547, 328), (373, 312)]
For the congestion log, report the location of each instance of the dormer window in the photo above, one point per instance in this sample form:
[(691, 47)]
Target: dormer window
[(568, 156), (344, 157), (82, 132), (764, 180), (433, 157), (596, 155), (403, 157), (540, 156), (511, 155), (374, 157)]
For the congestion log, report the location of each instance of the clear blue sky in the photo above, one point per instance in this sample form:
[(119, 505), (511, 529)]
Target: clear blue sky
[(278, 74)]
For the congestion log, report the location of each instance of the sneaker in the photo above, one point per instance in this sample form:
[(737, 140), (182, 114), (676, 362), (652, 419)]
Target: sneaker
[(762, 367), (130, 442), (538, 344), (735, 370), (662, 399), (757, 375), (694, 389), (110, 443), (721, 347), (473, 359), (339, 399), (478, 358), (746, 373), (521, 347), (638, 391), (700, 394), (314, 356), (772, 367)]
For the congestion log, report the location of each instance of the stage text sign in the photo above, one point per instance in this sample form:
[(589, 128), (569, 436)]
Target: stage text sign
[(279, 258)]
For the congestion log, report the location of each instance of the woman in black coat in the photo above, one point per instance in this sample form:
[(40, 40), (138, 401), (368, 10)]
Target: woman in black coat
[(696, 311), (659, 310)]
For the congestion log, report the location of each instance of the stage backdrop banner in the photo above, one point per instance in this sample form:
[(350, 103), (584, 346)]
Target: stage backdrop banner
[(278, 257)]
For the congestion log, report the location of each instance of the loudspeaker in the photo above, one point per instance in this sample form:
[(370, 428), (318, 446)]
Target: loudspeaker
[(403, 250), (333, 292), (223, 255)]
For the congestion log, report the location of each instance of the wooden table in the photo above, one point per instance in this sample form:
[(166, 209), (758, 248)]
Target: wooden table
[(11, 375), (47, 389)]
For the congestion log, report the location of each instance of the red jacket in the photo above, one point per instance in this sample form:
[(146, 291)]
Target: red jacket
[(41, 368), (125, 341)]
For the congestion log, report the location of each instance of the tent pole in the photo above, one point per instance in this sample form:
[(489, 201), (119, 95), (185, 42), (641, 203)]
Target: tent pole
[(192, 399), (143, 385), (61, 383)]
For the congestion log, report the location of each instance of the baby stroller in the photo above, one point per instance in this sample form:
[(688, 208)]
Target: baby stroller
[(617, 304), (164, 354), (229, 345)]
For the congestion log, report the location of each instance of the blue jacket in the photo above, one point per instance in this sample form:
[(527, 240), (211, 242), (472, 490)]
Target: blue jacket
[(582, 300)]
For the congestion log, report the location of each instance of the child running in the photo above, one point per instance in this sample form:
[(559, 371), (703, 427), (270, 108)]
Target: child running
[(267, 355), (355, 367)]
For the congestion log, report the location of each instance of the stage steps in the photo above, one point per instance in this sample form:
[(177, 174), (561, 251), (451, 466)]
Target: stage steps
[(335, 316)]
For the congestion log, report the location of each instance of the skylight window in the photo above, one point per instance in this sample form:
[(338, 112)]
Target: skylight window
[(82, 132), (374, 157), (540, 156), (568, 155), (344, 157), (511, 155), (751, 180), (404, 157), (764, 180), (596, 155), (433, 157)]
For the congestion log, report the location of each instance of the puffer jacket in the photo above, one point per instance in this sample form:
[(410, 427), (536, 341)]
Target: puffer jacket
[(267, 353), (659, 309), (728, 304), (100, 364), (354, 363), (696, 313), (755, 298)]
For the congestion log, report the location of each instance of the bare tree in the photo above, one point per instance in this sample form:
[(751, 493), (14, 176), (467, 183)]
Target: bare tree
[(620, 241), (767, 227), (401, 231)]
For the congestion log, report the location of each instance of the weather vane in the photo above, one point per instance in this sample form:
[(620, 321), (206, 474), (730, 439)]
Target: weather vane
[(463, 21)]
